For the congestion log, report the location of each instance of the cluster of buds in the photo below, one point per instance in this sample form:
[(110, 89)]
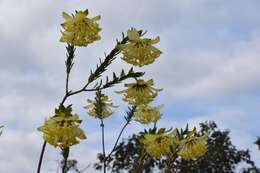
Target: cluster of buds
[(140, 94), (100, 107)]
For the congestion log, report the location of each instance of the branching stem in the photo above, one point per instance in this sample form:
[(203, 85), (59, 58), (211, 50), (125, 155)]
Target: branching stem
[(69, 63)]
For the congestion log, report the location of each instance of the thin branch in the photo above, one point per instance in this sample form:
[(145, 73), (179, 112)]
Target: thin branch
[(41, 157), (101, 68), (67, 83), (64, 165), (128, 120), (65, 154), (117, 140), (103, 145)]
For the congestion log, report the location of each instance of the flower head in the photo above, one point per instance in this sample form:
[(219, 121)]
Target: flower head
[(146, 114), (139, 93), (62, 130), (192, 147), (156, 145), (168, 143), (139, 51), (100, 107), (79, 30)]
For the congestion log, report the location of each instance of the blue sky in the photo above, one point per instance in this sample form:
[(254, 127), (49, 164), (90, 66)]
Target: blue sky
[(209, 70)]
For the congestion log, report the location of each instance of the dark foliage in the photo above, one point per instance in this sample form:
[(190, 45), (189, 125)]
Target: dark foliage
[(72, 166)]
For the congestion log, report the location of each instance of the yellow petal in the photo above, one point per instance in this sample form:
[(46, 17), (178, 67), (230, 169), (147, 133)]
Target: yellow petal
[(96, 18), (66, 16), (156, 40), (133, 34)]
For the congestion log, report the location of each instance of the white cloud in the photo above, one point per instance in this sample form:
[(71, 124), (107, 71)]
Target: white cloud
[(206, 74), (19, 148)]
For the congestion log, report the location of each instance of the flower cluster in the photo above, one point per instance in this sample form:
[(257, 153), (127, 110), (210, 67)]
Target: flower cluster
[(140, 94), (146, 114), (62, 130), (79, 30), (139, 51), (156, 145), (100, 107), (192, 147), (188, 146)]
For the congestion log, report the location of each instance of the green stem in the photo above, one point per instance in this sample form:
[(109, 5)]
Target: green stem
[(65, 154)]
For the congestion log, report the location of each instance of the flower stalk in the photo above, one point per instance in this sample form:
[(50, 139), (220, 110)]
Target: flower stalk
[(65, 154), (103, 144)]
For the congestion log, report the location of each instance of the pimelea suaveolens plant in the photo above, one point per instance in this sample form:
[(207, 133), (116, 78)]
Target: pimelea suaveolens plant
[(62, 129)]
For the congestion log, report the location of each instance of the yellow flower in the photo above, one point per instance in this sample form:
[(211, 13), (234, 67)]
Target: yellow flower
[(100, 107), (146, 114), (139, 51), (62, 130), (192, 147), (156, 145), (139, 93), (79, 30)]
